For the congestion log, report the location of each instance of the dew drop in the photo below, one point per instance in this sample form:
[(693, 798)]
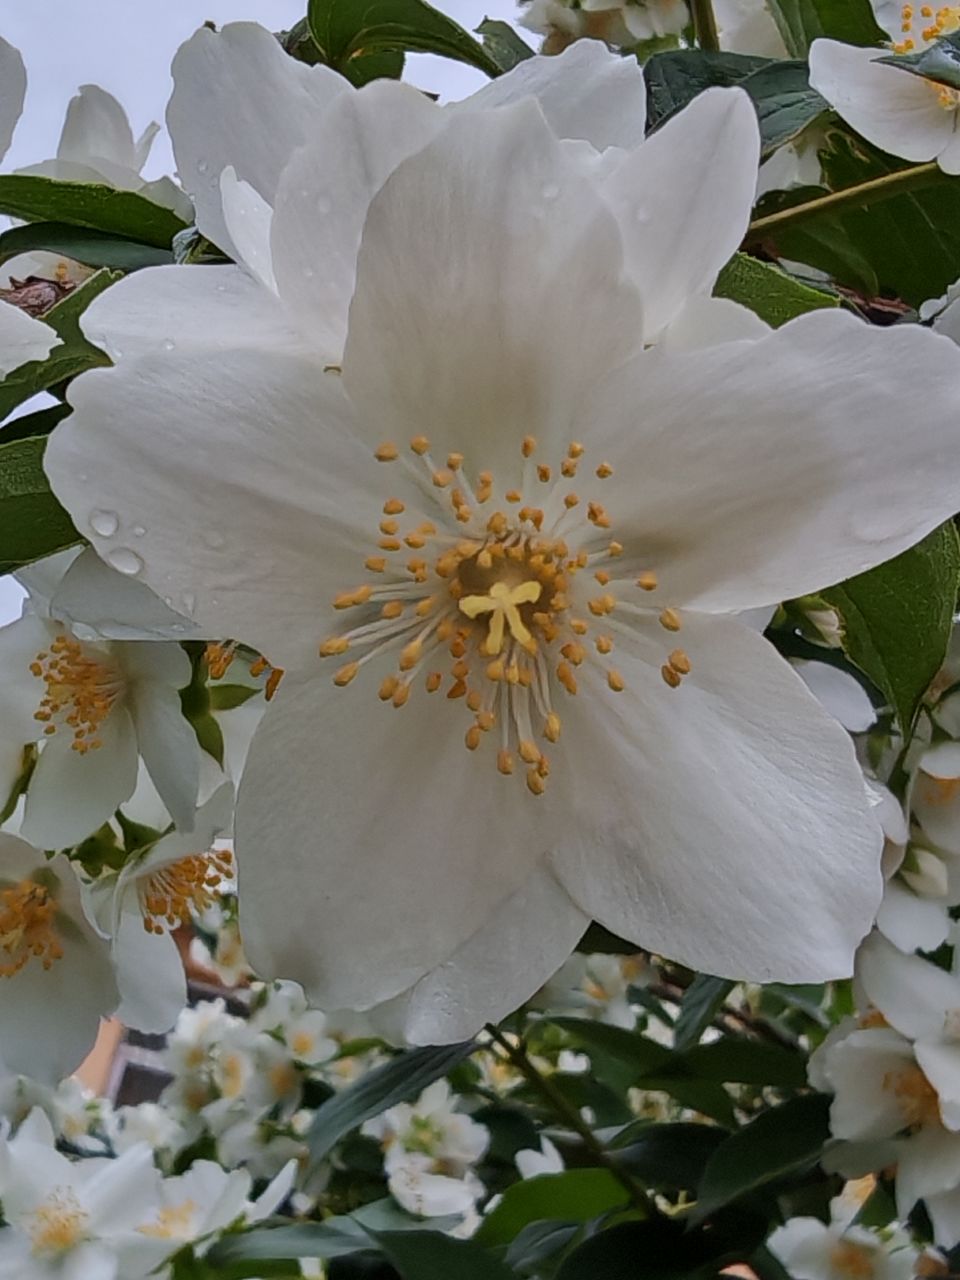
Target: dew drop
[(189, 602), (168, 344), (125, 561), (213, 538), (106, 523), (550, 191), (138, 530), (202, 166)]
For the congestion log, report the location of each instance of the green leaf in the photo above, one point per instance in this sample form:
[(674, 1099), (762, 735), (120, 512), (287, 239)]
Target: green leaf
[(643, 1056), (347, 30), (769, 292), (736, 1061), (82, 244), (574, 1196), (939, 62), (667, 1157), (503, 44), (540, 1243), (803, 21), (656, 1249), (224, 697), (784, 1141), (32, 522), (40, 423), (73, 356), (700, 1003), (896, 619), (88, 204), (427, 1255), (785, 102), (398, 1080)]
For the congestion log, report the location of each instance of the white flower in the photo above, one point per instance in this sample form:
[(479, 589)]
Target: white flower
[(530, 1162), (95, 706), (813, 1250), (151, 1123), (71, 1220), (595, 985), (905, 114), (55, 971), (697, 793), (644, 19), (432, 1127), (286, 1014)]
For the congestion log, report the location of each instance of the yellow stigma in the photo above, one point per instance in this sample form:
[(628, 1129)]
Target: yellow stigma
[(80, 691), (27, 927), (57, 1225), (502, 602), (172, 894)]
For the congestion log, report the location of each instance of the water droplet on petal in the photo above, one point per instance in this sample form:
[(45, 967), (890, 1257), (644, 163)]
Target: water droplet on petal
[(213, 538), (138, 530), (125, 561), (550, 191), (168, 344), (188, 602), (106, 523), (202, 166)]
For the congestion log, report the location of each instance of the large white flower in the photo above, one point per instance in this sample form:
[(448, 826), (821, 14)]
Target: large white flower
[(905, 114), (525, 530), (55, 972)]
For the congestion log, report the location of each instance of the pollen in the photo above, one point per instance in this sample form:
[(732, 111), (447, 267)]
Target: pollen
[(173, 1222), (81, 687), (852, 1260), (57, 1225), (27, 927), (915, 1096), (386, 452), (172, 895)]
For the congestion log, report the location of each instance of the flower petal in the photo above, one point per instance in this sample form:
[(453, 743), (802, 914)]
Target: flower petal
[(525, 304), (325, 192), (912, 994), (891, 108), (396, 844), (169, 748), (910, 922), (585, 92), (248, 218), (150, 976), (764, 470), (239, 100), (22, 338), (94, 597), (96, 127), (683, 201), (254, 501), (13, 88), (929, 1162), (511, 955), (724, 823), (858, 1069)]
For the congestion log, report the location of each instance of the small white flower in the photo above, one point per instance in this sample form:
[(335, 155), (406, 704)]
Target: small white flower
[(814, 1250), (531, 1162)]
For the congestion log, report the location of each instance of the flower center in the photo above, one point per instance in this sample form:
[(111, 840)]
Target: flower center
[(933, 24), (915, 1096), (80, 691), (27, 927), (173, 1222), (58, 1224), (171, 896), (494, 586), (853, 1260)]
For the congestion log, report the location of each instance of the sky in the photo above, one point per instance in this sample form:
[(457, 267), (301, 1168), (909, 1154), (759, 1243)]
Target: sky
[(126, 47)]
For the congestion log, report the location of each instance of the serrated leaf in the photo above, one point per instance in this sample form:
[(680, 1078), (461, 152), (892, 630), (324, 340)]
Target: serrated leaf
[(88, 204), (803, 21), (347, 30), (82, 244), (576, 1195), (769, 292), (32, 522), (699, 1005), (503, 44), (779, 1143), (428, 1255), (896, 619), (398, 1080)]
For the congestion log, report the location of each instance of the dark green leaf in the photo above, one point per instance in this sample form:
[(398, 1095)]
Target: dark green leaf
[(803, 21), (88, 204), (398, 1080), (657, 1249), (32, 522), (503, 44), (427, 1255), (784, 1141), (347, 30), (668, 1157), (939, 62), (40, 423), (785, 102), (896, 619), (538, 1244), (73, 356), (769, 292), (82, 244), (576, 1195), (641, 1055), (699, 1005), (746, 1062), (224, 697)]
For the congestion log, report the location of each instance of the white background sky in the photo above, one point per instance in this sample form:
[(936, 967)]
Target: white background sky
[(126, 46)]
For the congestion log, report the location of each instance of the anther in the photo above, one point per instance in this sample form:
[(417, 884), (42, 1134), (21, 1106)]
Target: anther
[(575, 449), (647, 581), (566, 677), (376, 564), (602, 577), (420, 445), (454, 461), (348, 599), (415, 541), (528, 446), (390, 544), (670, 620), (604, 471), (672, 677), (505, 761), (680, 662), (615, 549), (535, 782), (543, 473), (615, 681), (528, 751), (335, 645), (388, 688), (604, 644), (568, 468), (433, 681), (392, 609), (513, 495), (570, 501), (389, 527), (393, 507), (401, 695), (346, 674), (472, 737), (551, 730), (387, 452), (442, 478)]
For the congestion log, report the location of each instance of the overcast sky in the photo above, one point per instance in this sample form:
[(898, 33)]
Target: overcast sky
[(126, 46)]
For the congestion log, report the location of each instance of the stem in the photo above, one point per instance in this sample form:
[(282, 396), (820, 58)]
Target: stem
[(571, 1118), (705, 25), (864, 193)]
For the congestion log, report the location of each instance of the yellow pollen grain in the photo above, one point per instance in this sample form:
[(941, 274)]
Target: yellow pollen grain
[(388, 688), (415, 541), (536, 783), (375, 564), (647, 581), (419, 445), (390, 544), (392, 609), (410, 655), (568, 468), (442, 478), (401, 695), (333, 646), (680, 662), (575, 449), (474, 699), (426, 606), (604, 471), (670, 620), (433, 681), (393, 507), (454, 461), (472, 737), (486, 720), (574, 652), (579, 627), (602, 577), (528, 751), (528, 446), (505, 761), (387, 452), (566, 677), (615, 681), (348, 599), (615, 549), (273, 683), (570, 501), (551, 729), (389, 527), (457, 690), (513, 495), (604, 644), (346, 674), (495, 669), (672, 677), (543, 473)]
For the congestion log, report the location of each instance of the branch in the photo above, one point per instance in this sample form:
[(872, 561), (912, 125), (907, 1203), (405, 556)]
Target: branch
[(705, 25)]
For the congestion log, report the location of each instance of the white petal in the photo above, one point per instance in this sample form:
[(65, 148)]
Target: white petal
[(839, 692), (929, 1162), (511, 955), (912, 994), (20, 690), (188, 308), (525, 305), (169, 748), (239, 100), (49, 1018), (683, 201), (705, 321), (22, 338), (395, 847), (864, 1108), (248, 217), (585, 92), (912, 923), (723, 824), (325, 192), (942, 761), (13, 88), (144, 144), (70, 794), (258, 558), (949, 157), (153, 986), (764, 470), (891, 108), (936, 805), (940, 1063), (96, 127), (112, 605), (944, 1211), (803, 1246)]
